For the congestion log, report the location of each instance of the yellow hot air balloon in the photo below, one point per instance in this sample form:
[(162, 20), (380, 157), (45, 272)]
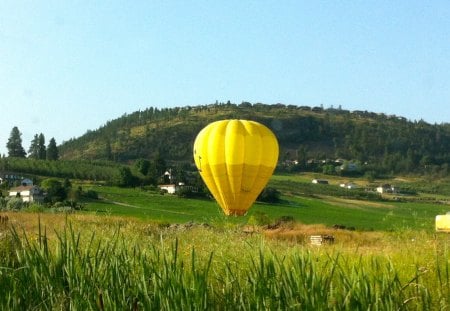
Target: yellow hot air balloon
[(235, 158)]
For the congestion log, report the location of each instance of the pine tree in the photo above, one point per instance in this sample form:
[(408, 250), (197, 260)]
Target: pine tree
[(52, 150), (14, 144), (33, 152), (42, 150)]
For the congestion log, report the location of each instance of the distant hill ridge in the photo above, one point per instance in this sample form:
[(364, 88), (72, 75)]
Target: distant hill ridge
[(302, 131)]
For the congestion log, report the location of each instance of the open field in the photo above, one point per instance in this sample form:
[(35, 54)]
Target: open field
[(88, 262), (317, 209)]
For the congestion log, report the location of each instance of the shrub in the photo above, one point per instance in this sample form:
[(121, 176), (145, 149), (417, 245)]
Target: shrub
[(269, 195), (15, 204), (55, 190), (35, 208), (259, 218), (187, 192), (3, 202), (91, 194)]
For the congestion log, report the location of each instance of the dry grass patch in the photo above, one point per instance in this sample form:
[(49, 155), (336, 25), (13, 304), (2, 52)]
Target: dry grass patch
[(352, 203), (344, 239)]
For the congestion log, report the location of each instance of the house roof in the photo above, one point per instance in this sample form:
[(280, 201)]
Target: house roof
[(21, 188)]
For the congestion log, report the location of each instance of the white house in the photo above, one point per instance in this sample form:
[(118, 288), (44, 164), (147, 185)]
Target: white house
[(320, 181), (27, 193), (173, 188), (349, 167), (349, 185), (386, 188), (170, 188)]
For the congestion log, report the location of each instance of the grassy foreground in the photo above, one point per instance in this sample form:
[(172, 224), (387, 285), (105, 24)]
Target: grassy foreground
[(85, 262)]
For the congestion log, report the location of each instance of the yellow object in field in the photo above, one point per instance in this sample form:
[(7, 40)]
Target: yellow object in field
[(235, 158), (443, 223)]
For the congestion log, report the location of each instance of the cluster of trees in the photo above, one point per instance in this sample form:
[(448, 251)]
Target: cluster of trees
[(386, 146), (142, 172), (38, 150), (63, 191), (58, 194)]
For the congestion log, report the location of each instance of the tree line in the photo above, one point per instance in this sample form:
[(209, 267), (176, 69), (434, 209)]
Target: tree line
[(38, 150), (41, 161)]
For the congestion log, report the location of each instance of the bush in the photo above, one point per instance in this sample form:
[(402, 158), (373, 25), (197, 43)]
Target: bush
[(269, 195), (187, 192), (91, 194), (55, 190), (15, 204), (260, 219), (283, 221), (3, 202), (35, 208)]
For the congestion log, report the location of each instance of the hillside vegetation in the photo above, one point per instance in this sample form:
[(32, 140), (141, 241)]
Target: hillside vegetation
[(386, 144)]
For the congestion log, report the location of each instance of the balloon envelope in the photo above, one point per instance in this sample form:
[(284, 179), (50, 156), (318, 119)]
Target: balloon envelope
[(235, 158)]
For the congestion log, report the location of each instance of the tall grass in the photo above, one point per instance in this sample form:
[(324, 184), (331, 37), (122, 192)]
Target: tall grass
[(75, 270)]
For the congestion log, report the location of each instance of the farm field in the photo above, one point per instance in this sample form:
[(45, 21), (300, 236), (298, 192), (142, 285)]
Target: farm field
[(328, 210), (135, 249)]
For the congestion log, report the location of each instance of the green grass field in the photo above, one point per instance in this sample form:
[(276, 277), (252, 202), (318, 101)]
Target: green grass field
[(362, 215)]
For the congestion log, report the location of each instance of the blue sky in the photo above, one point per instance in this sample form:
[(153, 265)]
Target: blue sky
[(70, 66)]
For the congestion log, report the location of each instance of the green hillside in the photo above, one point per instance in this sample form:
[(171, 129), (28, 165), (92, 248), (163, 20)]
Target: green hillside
[(384, 143)]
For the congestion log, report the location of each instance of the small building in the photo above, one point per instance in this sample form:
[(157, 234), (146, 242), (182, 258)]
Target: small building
[(348, 167), (320, 181), (26, 182), (170, 188), (339, 161), (348, 185), (386, 188), (290, 162), (27, 193), (173, 188)]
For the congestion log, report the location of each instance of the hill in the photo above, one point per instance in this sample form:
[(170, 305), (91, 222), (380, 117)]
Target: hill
[(382, 142)]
